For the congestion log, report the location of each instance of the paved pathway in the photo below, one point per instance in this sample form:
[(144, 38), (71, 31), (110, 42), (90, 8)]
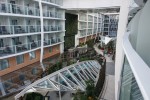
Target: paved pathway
[(109, 88)]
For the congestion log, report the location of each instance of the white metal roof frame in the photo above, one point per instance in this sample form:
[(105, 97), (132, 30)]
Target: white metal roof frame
[(70, 78)]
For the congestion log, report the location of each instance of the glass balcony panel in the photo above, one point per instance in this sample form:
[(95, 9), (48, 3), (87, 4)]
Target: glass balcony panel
[(129, 87), (52, 28), (8, 50), (52, 41), (18, 29)]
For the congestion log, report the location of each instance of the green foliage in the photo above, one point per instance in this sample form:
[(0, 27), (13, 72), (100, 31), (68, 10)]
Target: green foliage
[(90, 43), (84, 58), (34, 96), (81, 44), (70, 62), (90, 89), (80, 96), (71, 27), (55, 67), (89, 93)]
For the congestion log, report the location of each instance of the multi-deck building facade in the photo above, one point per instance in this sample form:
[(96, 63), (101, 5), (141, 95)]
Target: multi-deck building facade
[(30, 32), (111, 25), (90, 25)]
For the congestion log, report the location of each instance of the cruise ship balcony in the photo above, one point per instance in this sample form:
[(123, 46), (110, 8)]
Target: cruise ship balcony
[(52, 14), (52, 41), (20, 47), (19, 29), (58, 2), (50, 28), (18, 9)]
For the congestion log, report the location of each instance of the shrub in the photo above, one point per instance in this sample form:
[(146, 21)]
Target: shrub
[(55, 67), (90, 43), (34, 96)]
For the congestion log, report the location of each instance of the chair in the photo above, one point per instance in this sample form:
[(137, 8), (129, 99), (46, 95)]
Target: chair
[(32, 29), (7, 49), (30, 12), (4, 31), (52, 28), (18, 29), (24, 48), (13, 8), (45, 43), (51, 15), (33, 45), (45, 28), (19, 10), (3, 8), (52, 41)]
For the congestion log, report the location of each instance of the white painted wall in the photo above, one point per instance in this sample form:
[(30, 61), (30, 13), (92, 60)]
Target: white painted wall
[(143, 39), (123, 19), (90, 3)]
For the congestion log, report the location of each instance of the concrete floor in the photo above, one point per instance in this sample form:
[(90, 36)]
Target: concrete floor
[(108, 92)]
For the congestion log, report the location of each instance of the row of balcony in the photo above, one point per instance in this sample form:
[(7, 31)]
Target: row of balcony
[(25, 10), (58, 2), (8, 50), (52, 14), (21, 29), (52, 41), (18, 9)]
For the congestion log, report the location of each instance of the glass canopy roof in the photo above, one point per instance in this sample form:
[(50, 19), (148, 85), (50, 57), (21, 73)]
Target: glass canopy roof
[(70, 78)]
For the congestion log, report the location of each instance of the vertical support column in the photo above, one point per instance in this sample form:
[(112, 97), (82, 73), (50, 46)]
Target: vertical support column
[(102, 27), (42, 34), (123, 19), (93, 24), (97, 26), (77, 41), (86, 26)]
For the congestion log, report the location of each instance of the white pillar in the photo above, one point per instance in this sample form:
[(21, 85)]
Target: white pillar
[(123, 19), (86, 27), (42, 34)]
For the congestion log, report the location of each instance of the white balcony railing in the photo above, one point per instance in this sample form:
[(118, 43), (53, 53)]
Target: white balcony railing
[(8, 50), (52, 41), (19, 29), (52, 14), (49, 28), (18, 9), (139, 68), (58, 2)]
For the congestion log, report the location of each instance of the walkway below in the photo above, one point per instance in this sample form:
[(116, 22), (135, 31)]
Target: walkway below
[(109, 86)]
